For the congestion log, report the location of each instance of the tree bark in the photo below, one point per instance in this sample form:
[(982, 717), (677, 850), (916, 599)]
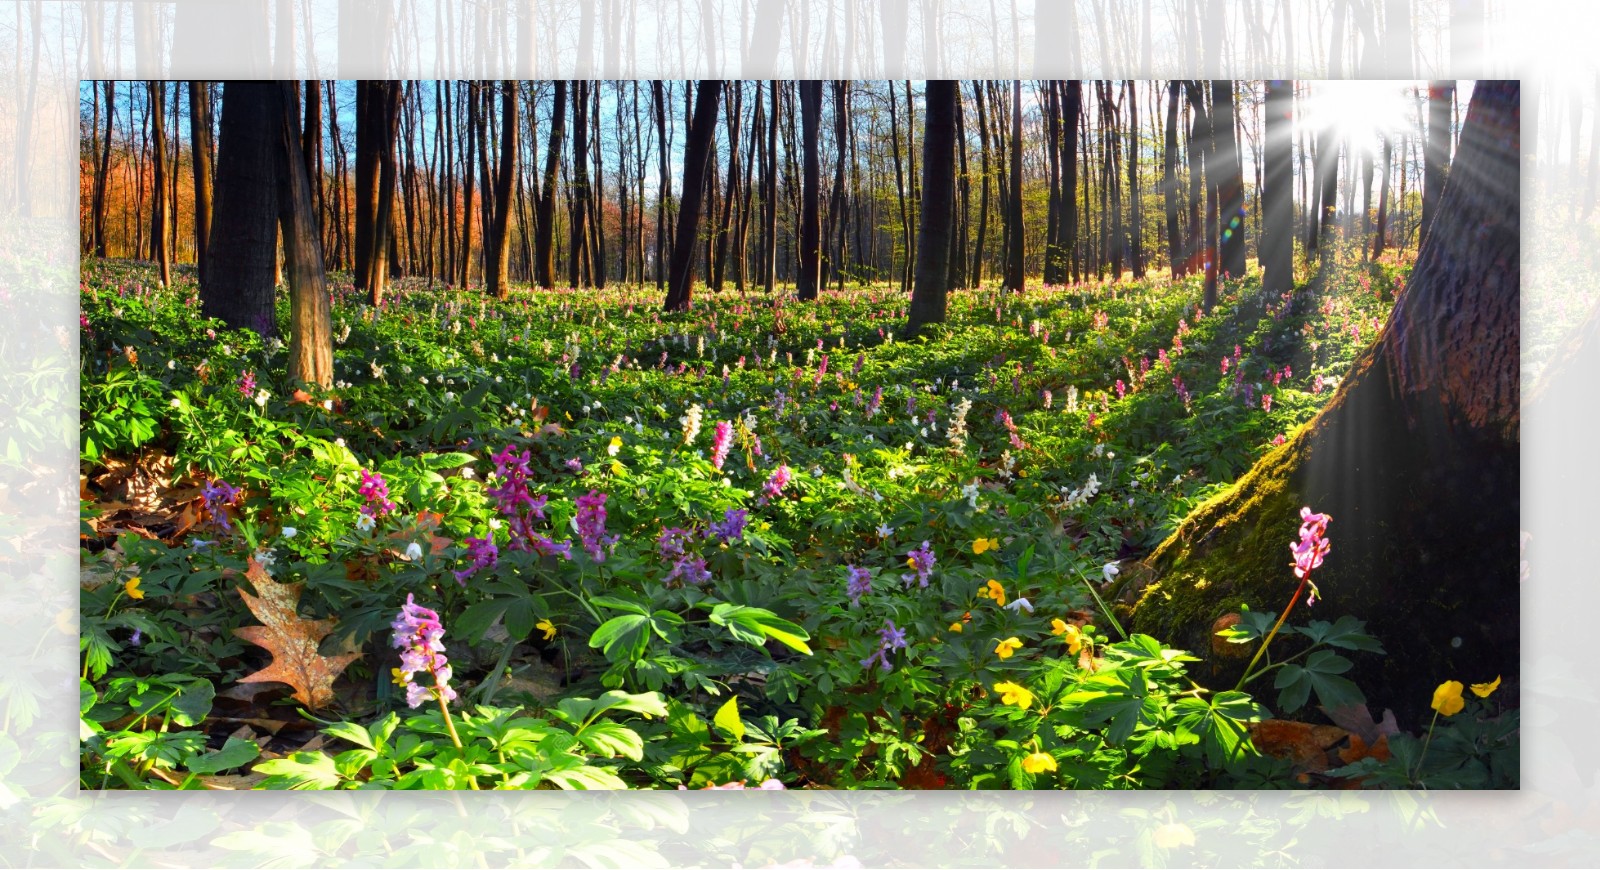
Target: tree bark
[(158, 198), (1415, 458), (928, 296), (1230, 183), (811, 195), (310, 323), (975, 275), (1277, 197), (544, 238), (239, 284), (1014, 248), (578, 273), (1169, 183), (200, 163), (499, 234), (696, 154)]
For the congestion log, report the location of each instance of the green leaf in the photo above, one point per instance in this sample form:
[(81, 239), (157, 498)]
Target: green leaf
[(1222, 723), (234, 753), (728, 722), (300, 770), (585, 778), (610, 739), (1120, 697), (1347, 633), (1319, 674), (350, 731), (626, 633)]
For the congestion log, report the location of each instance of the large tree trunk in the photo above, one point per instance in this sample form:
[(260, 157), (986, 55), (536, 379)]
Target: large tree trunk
[(811, 195), (1052, 160), (696, 154), (1072, 105), (310, 324), (1135, 221), (102, 176), (499, 234), (928, 295), (976, 273), (239, 285), (200, 163), (158, 198), (1277, 197), (577, 273), (1415, 458)]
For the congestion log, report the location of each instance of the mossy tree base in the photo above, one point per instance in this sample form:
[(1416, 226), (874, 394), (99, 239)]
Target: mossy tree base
[(1424, 548)]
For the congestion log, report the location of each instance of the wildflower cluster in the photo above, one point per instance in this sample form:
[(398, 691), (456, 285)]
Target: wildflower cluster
[(375, 490), (590, 523), (921, 561), (417, 634), (218, 494), (779, 479), (730, 527), (858, 583), (957, 430), (686, 567), (890, 639), (1312, 548), (721, 440)]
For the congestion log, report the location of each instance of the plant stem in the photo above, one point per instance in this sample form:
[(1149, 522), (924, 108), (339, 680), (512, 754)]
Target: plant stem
[(448, 723), (1412, 776), (1103, 608), (1271, 634)]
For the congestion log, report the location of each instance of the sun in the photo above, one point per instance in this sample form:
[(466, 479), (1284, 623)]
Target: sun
[(1360, 111)]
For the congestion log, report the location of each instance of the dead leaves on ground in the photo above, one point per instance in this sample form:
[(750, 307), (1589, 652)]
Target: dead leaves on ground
[(291, 639)]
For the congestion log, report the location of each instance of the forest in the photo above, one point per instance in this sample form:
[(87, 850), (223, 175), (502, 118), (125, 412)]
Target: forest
[(799, 434)]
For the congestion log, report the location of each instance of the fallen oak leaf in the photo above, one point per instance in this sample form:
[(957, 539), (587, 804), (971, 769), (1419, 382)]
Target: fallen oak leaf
[(292, 640)]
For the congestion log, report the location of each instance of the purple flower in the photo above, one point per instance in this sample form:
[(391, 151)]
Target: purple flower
[(922, 561), (137, 638), (874, 403), (418, 634), (671, 542), (776, 482), (575, 465), (247, 384), (720, 443), (218, 494), (375, 490), (483, 553), (591, 525), (731, 527), (890, 639), (689, 569), (1312, 548), (858, 584)]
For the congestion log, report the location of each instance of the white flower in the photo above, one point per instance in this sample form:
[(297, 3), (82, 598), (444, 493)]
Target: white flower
[(172, 364), (467, 473), (884, 530), (1110, 570), (327, 404), (176, 403), (365, 523), (1177, 479), (261, 398), (290, 531), (494, 523), (816, 471), (424, 380), (413, 551), (449, 396), (266, 558), (339, 441), (1020, 605), (411, 403), (970, 493)]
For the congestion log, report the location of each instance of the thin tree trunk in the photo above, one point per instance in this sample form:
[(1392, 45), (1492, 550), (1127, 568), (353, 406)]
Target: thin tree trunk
[(810, 219), (1014, 269), (1169, 183), (310, 323), (499, 235), (976, 275), (929, 295), (1277, 197), (158, 197), (900, 191)]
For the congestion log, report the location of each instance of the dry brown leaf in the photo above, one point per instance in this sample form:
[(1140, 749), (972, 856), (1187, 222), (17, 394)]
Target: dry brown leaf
[(291, 640)]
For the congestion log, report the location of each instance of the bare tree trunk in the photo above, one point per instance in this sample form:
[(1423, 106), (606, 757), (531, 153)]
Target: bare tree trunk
[(1014, 249), (1169, 183), (1072, 107), (544, 246), (976, 274), (810, 218), (1136, 224), (310, 324), (1277, 198), (928, 297), (239, 285), (578, 273), (499, 235), (1230, 183), (158, 196), (900, 191), (697, 151)]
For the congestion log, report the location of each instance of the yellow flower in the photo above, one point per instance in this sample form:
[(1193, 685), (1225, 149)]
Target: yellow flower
[(616, 444), (1013, 694), (548, 629), (1484, 690), (983, 545), (994, 590), (132, 589), (1447, 698), (1038, 762), (398, 675), (1068, 633), (956, 626), (1058, 626), (1007, 647)]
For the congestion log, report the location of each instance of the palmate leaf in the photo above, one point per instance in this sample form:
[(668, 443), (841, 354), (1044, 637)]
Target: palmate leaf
[(1321, 675), (1221, 723), (292, 640), (1120, 697)]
